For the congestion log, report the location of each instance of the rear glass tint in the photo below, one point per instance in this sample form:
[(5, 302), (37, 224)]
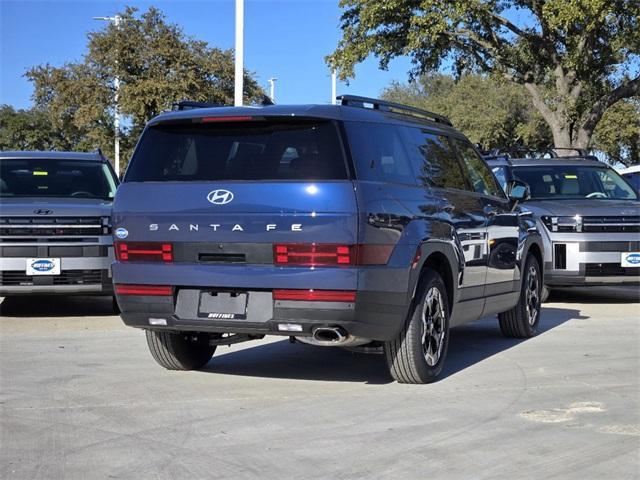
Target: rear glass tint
[(255, 150)]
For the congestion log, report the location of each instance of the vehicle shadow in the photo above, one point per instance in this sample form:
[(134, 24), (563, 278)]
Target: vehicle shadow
[(469, 345), (56, 306), (613, 294)]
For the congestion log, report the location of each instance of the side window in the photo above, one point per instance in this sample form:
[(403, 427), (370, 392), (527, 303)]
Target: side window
[(379, 152), (479, 173), (501, 176), (435, 160)]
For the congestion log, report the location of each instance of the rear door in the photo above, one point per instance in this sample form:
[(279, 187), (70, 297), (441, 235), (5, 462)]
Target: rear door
[(460, 208)]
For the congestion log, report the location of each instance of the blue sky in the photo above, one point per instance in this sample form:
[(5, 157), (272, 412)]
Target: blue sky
[(285, 39)]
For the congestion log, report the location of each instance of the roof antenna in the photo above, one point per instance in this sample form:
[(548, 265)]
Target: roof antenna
[(266, 101)]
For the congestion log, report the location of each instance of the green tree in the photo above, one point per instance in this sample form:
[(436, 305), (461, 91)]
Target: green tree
[(27, 130), (157, 65), (490, 112), (618, 133), (575, 58)]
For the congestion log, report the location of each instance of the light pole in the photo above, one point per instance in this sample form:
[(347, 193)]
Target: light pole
[(333, 87), (272, 88), (239, 71), (116, 20)]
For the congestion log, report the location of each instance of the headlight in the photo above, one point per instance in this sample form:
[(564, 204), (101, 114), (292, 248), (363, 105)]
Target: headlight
[(563, 224)]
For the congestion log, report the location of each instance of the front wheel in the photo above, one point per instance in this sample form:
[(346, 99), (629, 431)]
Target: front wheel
[(180, 351), (417, 354), (522, 320)]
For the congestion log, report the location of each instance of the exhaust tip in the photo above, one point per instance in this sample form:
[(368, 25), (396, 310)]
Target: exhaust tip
[(330, 335)]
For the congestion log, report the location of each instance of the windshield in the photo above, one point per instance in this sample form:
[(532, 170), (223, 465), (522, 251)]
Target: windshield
[(247, 150), (45, 177), (563, 182)]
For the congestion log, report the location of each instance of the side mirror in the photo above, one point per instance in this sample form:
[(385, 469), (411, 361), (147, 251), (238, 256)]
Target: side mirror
[(518, 191)]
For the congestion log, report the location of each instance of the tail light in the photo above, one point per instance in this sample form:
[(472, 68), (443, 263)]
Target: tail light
[(150, 290), (316, 295), (144, 251), (329, 254)]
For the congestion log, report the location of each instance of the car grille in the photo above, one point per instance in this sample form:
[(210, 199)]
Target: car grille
[(610, 270), (611, 224), (68, 277), (55, 226)]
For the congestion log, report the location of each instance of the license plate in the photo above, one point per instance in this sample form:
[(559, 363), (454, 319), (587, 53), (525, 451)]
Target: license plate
[(630, 259), (43, 266), (223, 305)]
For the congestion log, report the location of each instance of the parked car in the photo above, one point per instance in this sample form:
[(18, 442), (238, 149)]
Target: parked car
[(364, 223), (55, 226), (589, 216), (632, 175)]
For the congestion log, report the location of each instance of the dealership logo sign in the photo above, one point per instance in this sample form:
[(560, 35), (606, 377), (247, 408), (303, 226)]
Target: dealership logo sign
[(220, 197), (43, 265), (633, 258)]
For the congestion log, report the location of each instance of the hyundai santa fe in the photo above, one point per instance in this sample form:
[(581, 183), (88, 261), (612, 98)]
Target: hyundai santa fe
[(589, 217), (361, 224)]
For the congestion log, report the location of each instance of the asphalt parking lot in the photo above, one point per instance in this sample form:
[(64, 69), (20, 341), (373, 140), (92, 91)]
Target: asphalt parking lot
[(80, 397)]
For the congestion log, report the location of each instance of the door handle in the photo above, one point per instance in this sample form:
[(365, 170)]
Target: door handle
[(489, 211)]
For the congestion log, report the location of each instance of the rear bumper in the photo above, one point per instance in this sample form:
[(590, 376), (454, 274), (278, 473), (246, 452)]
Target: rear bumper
[(367, 317)]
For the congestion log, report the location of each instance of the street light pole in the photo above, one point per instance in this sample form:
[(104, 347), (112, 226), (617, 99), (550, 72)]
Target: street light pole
[(239, 70), (272, 88), (116, 19), (333, 87)]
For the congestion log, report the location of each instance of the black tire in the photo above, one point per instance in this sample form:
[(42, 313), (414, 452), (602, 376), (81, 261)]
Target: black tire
[(407, 355), (180, 351), (523, 319), (544, 294)]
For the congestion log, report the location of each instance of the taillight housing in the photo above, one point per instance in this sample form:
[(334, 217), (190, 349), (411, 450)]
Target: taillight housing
[(311, 295), (144, 290), (144, 252), (314, 254), (330, 254)]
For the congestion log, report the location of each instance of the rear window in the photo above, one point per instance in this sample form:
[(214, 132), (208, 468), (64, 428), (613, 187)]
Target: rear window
[(56, 178), (256, 150)]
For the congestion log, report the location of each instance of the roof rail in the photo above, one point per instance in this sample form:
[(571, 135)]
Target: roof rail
[(376, 104), (190, 105), (548, 152)]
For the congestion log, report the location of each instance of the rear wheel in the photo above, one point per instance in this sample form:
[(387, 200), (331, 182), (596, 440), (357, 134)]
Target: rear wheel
[(417, 354), (180, 351), (522, 320)]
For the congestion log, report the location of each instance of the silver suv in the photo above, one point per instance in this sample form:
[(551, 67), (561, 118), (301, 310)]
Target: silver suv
[(591, 218), (55, 223)]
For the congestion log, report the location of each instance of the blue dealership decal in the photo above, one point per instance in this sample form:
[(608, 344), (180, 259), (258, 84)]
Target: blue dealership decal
[(633, 258), (122, 233), (43, 265)]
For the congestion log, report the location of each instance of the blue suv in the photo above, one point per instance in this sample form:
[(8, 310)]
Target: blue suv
[(366, 223)]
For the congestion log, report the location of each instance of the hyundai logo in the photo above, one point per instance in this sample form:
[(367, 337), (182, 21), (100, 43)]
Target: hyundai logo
[(633, 258), (43, 211), (220, 197), (43, 265)]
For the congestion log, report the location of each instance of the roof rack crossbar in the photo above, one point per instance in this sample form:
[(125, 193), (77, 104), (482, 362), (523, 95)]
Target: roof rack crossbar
[(377, 104)]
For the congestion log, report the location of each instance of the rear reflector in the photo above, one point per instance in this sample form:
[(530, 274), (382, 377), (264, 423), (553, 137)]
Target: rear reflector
[(329, 254), (225, 119), (151, 290), (315, 295), (144, 251)]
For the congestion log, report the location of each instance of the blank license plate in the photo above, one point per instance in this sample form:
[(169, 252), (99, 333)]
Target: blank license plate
[(43, 266), (223, 305)]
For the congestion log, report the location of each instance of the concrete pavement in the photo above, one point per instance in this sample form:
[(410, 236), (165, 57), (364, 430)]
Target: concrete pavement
[(80, 397)]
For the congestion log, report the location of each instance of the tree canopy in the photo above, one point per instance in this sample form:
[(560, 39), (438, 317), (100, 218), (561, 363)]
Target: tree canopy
[(157, 65), (575, 58)]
